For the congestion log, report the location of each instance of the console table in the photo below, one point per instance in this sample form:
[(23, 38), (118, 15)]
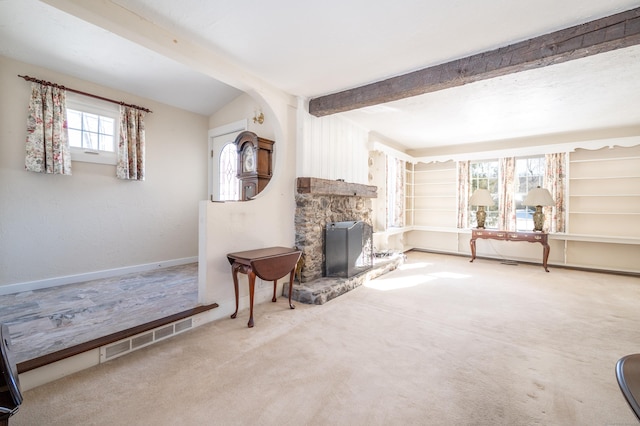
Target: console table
[(269, 264), (531, 237)]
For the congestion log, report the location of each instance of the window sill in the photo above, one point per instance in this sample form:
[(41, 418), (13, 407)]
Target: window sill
[(98, 157)]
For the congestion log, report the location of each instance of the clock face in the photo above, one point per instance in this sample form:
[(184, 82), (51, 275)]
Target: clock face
[(248, 159)]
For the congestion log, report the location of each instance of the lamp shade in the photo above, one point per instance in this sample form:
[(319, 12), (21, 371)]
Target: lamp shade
[(538, 197), (481, 197)]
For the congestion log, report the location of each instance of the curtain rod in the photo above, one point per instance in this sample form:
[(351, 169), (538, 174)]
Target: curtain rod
[(48, 83)]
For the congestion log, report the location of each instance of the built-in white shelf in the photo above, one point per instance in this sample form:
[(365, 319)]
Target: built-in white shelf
[(604, 195), (607, 213), (611, 239), (595, 160), (604, 177), (434, 196), (434, 210)]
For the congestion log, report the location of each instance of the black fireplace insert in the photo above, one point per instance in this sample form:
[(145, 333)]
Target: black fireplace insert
[(348, 248)]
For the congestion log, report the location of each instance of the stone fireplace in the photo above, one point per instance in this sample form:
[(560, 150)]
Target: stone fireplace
[(322, 201)]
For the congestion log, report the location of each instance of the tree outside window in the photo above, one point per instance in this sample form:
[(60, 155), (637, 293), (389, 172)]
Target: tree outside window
[(484, 174), (91, 131), (530, 174)]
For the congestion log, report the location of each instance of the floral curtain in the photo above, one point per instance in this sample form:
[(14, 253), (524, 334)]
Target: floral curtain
[(47, 144), (554, 181), (463, 193), (131, 144), (506, 203)]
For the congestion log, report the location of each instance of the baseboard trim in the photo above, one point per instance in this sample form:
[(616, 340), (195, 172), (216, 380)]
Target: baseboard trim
[(528, 262), (96, 275)]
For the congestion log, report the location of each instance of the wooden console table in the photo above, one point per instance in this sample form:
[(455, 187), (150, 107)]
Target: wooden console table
[(531, 237), (269, 264)]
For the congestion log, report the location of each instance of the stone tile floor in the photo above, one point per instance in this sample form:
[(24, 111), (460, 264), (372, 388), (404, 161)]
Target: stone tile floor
[(48, 320)]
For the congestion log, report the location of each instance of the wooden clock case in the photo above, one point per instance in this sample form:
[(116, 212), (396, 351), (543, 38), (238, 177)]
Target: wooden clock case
[(253, 179)]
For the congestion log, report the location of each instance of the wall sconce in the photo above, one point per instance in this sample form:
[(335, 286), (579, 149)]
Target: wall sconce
[(258, 118), (481, 198), (538, 197)]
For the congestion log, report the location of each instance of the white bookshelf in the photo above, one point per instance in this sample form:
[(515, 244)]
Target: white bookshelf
[(604, 192)]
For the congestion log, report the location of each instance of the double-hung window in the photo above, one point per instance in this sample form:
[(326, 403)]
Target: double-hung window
[(93, 127), (528, 174), (484, 175)]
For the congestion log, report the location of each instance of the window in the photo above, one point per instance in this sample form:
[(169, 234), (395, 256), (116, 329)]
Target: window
[(530, 174), (90, 131), (93, 129), (228, 165), (484, 174), (395, 192)]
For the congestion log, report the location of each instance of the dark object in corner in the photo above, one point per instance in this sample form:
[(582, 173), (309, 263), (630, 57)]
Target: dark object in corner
[(10, 394), (628, 375)]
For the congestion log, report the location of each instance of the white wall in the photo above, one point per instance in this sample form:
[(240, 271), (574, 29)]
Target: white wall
[(265, 221), (244, 107), (55, 226)]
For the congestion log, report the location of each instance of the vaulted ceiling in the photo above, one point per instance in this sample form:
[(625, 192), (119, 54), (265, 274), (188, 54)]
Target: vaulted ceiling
[(312, 49)]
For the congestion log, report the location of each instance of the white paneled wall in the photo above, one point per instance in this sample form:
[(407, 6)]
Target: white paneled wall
[(331, 148)]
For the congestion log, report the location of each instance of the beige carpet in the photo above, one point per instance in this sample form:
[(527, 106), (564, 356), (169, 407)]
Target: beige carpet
[(440, 342)]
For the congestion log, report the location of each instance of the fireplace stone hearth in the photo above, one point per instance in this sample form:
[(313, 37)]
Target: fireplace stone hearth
[(321, 290), (319, 202)]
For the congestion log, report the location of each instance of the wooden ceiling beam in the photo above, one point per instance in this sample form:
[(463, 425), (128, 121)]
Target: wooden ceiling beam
[(598, 36)]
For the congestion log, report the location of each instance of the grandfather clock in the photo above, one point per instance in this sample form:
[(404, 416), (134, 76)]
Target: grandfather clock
[(254, 163)]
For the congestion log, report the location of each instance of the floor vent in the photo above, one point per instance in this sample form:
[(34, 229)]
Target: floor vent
[(141, 340), (184, 325), (163, 332), (117, 349)]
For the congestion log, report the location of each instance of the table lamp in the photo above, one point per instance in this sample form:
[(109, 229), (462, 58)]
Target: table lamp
[(538, 197), (481, 198)]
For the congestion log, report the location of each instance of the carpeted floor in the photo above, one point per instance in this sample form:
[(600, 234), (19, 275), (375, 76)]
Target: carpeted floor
[(439, 342)]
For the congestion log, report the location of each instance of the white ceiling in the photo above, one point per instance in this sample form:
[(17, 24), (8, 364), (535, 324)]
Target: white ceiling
[(311, 49)]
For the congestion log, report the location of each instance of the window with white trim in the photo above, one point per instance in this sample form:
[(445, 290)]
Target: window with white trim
[(395, 192), (529, 174), (485, 175), (93, 128)]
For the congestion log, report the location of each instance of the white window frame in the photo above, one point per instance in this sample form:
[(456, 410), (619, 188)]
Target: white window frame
[(526, 224), (494, 211), (103, 108), (392, 164)]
